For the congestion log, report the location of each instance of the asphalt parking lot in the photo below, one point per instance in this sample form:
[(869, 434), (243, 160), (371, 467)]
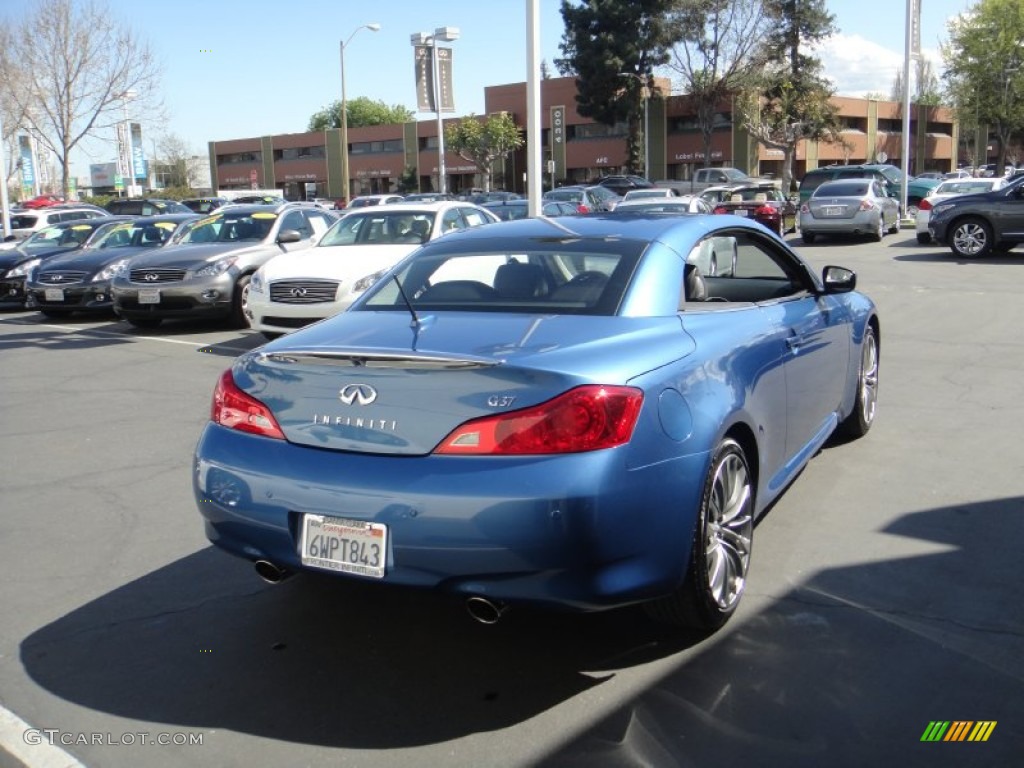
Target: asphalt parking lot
[(885, 590)]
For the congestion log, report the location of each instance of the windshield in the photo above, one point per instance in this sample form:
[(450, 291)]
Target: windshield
[(58, 237), (541, 276), (734, 174), (964, 187), (381, 228), (134, 234), (229, 227)]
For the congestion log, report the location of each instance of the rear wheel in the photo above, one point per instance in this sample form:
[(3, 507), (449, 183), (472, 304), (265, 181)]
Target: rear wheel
[(239, 303), (862, 416), (923, 238), (971, 239), (879, 232), (808, 237), (720, 556)]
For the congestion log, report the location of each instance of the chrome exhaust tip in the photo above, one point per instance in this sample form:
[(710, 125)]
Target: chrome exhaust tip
[(271, 573), (485, 611)]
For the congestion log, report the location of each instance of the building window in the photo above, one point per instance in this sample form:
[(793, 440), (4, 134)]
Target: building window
[(584, 131), (233, 158), (377, 147), (300, 153)]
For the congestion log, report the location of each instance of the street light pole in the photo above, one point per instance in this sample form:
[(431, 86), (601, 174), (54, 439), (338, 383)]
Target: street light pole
[(374, 27)]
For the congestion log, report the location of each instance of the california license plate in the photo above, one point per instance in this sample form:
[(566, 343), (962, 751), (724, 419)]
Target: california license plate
[(54, 294), (149, 296), (350, 546), (832, 210), (741, 212)]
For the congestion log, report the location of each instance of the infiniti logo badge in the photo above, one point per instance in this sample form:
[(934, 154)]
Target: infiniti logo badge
[(360, 394), (151, 277), (298, 292)]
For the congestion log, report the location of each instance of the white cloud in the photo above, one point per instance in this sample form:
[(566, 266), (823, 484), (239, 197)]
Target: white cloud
[(857, 66)]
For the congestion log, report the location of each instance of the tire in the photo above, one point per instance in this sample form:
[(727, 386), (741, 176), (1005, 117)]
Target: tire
[(895, 228), (923, 238), (862, 416), (144, 322), (239, 301), (808, 237), (720, 556), (879, 232), (970, 238)]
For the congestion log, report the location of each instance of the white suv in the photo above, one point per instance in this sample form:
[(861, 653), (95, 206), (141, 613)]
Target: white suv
[(28, 222)]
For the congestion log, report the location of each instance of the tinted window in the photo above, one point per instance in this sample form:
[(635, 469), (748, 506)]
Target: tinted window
[(843, 189)]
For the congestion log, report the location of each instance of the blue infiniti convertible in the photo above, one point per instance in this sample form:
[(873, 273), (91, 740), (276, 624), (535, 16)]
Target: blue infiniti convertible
[(584, 413)]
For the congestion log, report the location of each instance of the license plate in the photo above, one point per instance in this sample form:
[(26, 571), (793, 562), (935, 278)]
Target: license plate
[(350, 546), (741, 212), (149, 296), (54, 294), (832, 210)]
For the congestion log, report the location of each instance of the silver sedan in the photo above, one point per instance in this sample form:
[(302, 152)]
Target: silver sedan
[(849, 207)]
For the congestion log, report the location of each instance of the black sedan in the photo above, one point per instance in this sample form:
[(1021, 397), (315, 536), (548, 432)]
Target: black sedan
[(79, 281)]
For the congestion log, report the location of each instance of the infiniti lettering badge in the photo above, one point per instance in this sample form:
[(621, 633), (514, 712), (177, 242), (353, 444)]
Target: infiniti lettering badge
[(360, 394)]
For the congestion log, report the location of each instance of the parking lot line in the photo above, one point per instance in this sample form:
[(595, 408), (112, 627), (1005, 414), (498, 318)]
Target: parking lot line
[(14, 741), (98, 332)]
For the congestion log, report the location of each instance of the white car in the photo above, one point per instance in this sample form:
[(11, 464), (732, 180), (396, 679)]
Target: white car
[(364, 200), (295, 289), (946, 190), (647, 194)]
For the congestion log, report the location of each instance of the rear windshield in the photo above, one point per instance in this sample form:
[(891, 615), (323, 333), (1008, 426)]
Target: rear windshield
[(23, 221), (570, 277), (843, 189)]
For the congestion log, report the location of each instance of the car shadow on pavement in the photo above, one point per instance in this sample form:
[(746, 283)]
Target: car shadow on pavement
[(850, 667), (852, 664), (82, 332), (203, 642)]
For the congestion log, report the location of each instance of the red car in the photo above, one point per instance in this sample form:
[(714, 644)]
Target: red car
[(762, 202), (42, 201)]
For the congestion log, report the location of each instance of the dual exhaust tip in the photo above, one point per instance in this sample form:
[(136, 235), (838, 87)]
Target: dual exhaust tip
[(482, 609)]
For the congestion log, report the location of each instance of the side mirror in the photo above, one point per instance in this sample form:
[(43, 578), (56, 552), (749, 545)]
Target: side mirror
[(288, 236), (838, 279)]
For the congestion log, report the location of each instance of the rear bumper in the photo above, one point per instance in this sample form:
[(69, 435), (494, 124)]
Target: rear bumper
[(579, 531)]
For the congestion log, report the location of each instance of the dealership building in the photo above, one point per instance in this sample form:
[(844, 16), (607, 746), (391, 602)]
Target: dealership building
[(575, 148)]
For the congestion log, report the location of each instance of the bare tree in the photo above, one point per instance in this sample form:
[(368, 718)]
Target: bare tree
[(718, 52), (67, 67)]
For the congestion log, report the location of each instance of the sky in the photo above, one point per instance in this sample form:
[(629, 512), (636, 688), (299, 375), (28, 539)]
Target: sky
[(234, 69)]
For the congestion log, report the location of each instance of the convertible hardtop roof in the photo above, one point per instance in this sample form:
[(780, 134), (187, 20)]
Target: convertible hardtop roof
[(632, 226)]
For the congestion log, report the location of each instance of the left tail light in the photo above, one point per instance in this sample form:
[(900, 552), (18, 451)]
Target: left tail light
[(234, 409), (587, 418)]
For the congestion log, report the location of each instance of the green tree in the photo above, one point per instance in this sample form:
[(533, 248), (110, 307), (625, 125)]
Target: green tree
[(985, 68), (716, 55), (605, 40), (67, 68), (792, 98), (361, 111), (408, 180), (484, 141)]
